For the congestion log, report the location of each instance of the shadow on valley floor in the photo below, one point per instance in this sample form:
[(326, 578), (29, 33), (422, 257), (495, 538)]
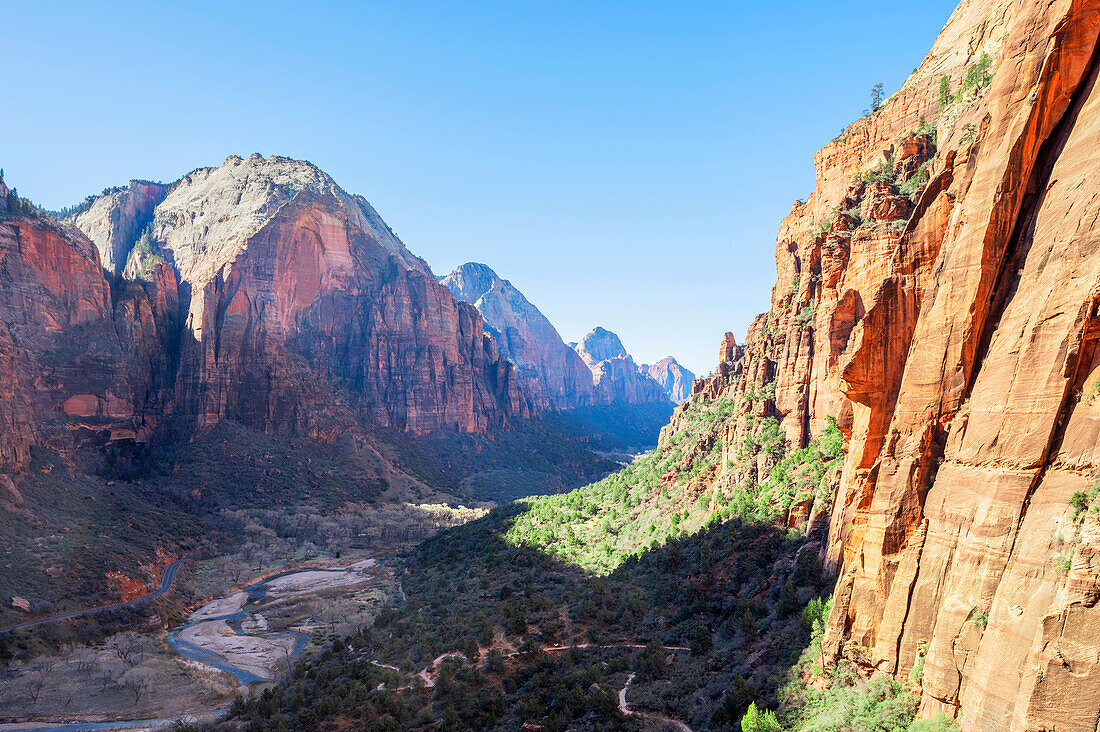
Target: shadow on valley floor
[(741, 596)]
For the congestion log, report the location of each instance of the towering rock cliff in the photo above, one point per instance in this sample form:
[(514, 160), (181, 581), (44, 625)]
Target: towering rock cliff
[(618, 380), (550, 371), (74, 363), (304, 309), (673, 378), (939, 296), (258, 292)]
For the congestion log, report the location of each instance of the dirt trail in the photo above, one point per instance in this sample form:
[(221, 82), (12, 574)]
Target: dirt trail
[(628, 712)]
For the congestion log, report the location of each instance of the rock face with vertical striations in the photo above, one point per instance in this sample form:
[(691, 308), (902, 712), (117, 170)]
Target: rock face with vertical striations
[(115, 220), (939, 296), (304, 311), (673, 378), (74, 363), (552, 373)]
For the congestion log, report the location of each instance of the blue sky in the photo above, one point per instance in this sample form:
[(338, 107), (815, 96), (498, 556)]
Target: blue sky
[(624, 164)]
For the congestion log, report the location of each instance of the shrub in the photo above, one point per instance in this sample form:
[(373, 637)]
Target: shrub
[(756, 720)]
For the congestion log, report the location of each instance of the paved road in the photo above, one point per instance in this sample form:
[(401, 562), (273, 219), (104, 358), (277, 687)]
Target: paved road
[(166, 581)]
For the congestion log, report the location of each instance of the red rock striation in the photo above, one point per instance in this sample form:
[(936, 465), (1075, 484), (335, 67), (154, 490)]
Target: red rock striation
[(68, 368), (939, 294)]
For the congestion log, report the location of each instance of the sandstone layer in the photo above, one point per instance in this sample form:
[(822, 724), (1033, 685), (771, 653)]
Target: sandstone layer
[(257, 292)]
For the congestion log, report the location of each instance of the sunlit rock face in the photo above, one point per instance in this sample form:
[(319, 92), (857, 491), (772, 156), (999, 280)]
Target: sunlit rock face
[(673, 378), (552, 373), (617, 378), (937, 294), (304, 310)]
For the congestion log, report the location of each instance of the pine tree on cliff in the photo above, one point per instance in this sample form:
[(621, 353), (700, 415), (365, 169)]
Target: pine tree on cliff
[(876, 97)]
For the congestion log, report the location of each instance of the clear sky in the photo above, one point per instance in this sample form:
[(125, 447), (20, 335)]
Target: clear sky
[(624, 164)]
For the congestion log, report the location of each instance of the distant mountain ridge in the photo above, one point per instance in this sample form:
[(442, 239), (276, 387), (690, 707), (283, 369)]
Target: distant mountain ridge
[(551, 372), (674, 378), (598, 371)]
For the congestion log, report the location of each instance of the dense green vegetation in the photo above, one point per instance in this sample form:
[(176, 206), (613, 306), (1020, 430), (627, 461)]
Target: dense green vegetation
[(732, 591), (679, 554), (678, 490)]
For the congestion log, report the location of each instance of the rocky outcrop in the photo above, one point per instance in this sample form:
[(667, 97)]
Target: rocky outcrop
[(549, 371), (115, 220), (305, 312), (617, 379), (673, 378), (939, 295)]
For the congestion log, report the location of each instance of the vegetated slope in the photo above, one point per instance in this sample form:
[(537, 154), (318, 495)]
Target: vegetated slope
[(709, 610)]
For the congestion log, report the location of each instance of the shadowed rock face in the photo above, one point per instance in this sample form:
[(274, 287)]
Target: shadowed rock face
[(73, 361), (673, 378), (262, 293), (552, 373), (950, 325)]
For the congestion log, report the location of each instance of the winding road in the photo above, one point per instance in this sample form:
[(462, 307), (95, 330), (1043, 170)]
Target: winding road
[(166, 581)]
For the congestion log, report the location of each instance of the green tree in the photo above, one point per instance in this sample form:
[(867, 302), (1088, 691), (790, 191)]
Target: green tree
[(876, 97), (945, 91), (756, 720)]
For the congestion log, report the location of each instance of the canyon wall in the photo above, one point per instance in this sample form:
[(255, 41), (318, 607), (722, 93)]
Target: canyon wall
[(258, 292), (617, 379), (673, 378), (939, 296)]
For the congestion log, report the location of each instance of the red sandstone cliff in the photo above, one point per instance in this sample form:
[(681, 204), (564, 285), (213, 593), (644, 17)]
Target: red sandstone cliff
[(259, 292), (72, 363), (939, 294)]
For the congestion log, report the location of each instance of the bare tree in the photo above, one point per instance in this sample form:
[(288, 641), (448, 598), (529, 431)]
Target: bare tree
[(36, 679), (137, 684), (109, 674), (129, 649)]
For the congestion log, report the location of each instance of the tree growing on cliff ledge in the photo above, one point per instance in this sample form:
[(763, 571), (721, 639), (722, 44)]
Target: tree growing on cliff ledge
[(876, 97), (945, 92)]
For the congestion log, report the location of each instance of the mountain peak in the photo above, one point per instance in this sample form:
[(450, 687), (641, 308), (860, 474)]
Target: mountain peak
[(600, 345)]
